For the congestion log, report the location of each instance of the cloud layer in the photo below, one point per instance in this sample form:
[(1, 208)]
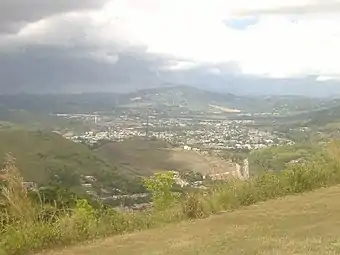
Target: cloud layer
[(116, 44)]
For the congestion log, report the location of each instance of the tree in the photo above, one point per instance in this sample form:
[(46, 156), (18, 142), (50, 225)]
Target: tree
[(160, 186)]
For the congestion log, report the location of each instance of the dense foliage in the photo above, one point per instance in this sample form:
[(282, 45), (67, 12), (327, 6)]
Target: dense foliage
[(277, 158), (160, 186)]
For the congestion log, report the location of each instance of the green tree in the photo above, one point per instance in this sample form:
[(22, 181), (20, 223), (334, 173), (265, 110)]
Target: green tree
[(160, 186)]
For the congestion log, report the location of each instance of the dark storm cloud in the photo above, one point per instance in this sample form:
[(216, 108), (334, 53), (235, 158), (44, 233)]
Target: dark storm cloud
[(77, 56), (232, 80), (67, 56), (16, 13), (56, 69), (52, 69)]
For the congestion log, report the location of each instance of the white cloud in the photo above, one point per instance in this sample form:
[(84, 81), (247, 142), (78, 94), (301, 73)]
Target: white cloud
[(179, 65), (326, 78), (195, 32)]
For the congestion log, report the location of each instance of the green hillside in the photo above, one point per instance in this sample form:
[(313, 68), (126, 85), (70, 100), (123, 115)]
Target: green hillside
[(29, 119), (143, 157), (277, 158), (138, 156), (41, 155)]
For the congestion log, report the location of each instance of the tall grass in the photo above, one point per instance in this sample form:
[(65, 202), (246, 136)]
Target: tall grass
[(14, 195), (24, 230)]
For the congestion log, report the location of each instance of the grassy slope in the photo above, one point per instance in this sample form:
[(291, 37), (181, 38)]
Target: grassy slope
[(31, 120), (303, 224), (138, 156), (276, 158), (38, 152), (143, 157)]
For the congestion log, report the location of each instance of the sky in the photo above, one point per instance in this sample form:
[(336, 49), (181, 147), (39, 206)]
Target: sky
[(244, 46)]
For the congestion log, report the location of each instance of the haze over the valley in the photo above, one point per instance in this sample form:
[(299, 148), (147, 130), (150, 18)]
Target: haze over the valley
[(241, 47)]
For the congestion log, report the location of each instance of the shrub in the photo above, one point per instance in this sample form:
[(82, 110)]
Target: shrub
[(194, 206), (160, 186)]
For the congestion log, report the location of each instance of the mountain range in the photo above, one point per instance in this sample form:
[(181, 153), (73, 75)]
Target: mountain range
[(188, 97)]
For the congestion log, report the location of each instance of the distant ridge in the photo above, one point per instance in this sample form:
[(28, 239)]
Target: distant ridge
[(182, 95)]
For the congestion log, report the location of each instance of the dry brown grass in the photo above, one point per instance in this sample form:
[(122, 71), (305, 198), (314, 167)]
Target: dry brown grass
[(204, 164), (14, 195), (303, 224), (147, 157)]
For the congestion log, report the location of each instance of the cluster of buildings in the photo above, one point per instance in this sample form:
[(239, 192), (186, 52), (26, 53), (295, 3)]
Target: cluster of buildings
[(194, 132), (231, 135)]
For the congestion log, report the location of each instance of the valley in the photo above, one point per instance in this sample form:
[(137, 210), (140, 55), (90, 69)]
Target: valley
[(160, 127), (110, 152), (119, 139)]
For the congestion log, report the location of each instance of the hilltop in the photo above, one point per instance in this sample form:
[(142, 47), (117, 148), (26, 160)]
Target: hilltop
[(42, 154), (303, 224), (182, 96)]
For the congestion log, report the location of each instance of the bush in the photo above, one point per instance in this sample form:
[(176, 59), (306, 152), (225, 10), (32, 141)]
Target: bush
[(160, 186), (194, 206)]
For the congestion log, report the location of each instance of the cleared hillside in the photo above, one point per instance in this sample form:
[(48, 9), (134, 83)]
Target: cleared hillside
[(304, 224), (40, 155), (145, 157)]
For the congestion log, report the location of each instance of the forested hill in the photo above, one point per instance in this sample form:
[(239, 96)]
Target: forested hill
[(41, 155)]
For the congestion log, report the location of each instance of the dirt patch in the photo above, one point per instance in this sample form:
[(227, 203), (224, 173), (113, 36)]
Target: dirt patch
[(204, 164), (147, 157), (224, 109)]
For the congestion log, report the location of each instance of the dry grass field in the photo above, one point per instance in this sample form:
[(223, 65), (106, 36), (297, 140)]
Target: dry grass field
[(301, 224), (204, 164), (147, 157)]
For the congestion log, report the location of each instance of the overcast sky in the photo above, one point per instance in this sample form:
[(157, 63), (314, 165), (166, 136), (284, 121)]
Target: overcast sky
[(117, 45)]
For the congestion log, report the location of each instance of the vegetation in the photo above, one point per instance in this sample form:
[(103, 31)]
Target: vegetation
[(21, 118), (28, 226), (277, 158), (144, 157), (138, 156), (300, 224), (160, 186), (169, 96), (44, 157), (59, 103)]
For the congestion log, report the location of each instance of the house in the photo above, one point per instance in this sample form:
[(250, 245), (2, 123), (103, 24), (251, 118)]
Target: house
[(87, 185), (186, 147), (90, 178)]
